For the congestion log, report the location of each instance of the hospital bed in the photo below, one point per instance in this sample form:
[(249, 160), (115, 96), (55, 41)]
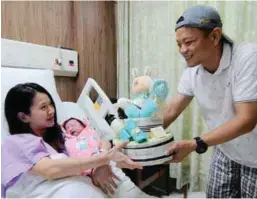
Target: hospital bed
[(42, 71), (24, 62)]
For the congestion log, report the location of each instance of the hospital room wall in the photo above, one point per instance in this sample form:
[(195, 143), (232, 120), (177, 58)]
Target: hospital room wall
[(87, 27)]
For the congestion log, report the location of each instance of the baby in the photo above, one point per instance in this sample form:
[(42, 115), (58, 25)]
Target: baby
[(82, 141)]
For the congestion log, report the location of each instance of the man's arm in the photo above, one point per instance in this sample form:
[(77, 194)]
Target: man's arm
[(175, 107), (244, 122)]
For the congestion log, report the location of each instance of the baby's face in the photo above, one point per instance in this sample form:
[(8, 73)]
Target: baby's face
[(73, 127)]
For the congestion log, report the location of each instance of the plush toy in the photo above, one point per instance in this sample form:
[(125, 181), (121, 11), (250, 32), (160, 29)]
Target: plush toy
[(148, 101), (149, 96), (126, 130), (136, 133), (118, 126)]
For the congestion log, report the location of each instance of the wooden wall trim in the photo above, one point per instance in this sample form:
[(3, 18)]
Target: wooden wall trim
[(86, 26)]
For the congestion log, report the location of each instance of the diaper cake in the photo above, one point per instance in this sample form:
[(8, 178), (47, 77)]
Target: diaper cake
[(139, 120)]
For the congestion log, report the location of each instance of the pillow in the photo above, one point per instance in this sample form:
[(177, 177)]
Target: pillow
[(13, 76), (69, 110)]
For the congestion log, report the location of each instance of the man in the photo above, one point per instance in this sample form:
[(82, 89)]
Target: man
[(222, 77)]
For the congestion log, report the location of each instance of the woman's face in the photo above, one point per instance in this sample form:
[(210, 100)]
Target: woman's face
[(41, 114), (73, 127)]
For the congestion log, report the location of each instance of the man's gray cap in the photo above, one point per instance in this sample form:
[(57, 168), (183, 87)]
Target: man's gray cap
[(201, 16)]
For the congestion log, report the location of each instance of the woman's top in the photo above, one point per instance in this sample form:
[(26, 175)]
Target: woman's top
[(19, 154)]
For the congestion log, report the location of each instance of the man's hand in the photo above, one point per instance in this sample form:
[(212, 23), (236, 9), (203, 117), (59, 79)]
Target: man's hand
[(181, 149)]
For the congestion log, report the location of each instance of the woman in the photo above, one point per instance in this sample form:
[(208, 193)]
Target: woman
[(34, 159)]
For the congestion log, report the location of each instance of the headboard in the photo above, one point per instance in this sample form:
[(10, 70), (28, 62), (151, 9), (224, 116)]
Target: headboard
[(24, 62), (97, 110), (19, 54)]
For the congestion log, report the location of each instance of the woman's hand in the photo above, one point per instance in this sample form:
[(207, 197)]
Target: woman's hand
[(122, 161), (103, 177)]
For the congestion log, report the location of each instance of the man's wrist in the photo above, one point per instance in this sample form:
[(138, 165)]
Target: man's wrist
[(201, 145), (193, 144)]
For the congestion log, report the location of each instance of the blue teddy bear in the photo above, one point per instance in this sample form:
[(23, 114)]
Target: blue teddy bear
[(131, 131)]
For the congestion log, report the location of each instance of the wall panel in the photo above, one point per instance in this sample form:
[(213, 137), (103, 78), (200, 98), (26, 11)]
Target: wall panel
[(87, 27), (95, 40)]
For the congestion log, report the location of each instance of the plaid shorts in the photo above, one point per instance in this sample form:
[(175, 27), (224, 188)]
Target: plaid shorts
[(228, 179)]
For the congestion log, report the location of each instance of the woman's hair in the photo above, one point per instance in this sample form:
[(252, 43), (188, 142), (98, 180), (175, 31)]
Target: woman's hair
[(20, 99)]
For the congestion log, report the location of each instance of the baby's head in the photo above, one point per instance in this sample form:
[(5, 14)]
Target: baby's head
[(73, 126)]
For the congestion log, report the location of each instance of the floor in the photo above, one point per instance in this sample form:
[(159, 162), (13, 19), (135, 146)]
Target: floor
[(190, 195), (159, 187)]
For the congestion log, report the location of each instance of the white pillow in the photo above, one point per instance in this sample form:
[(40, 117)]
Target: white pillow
[(13, 76), (69, 110)]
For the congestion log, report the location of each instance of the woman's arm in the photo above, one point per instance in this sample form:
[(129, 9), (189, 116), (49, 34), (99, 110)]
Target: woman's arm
[(58, 168), (105, 145)]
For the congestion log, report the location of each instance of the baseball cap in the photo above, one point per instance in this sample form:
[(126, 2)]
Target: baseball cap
[(201, 16)]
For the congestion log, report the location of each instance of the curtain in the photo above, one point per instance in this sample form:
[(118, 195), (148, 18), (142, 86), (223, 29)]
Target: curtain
[(146, 37)]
